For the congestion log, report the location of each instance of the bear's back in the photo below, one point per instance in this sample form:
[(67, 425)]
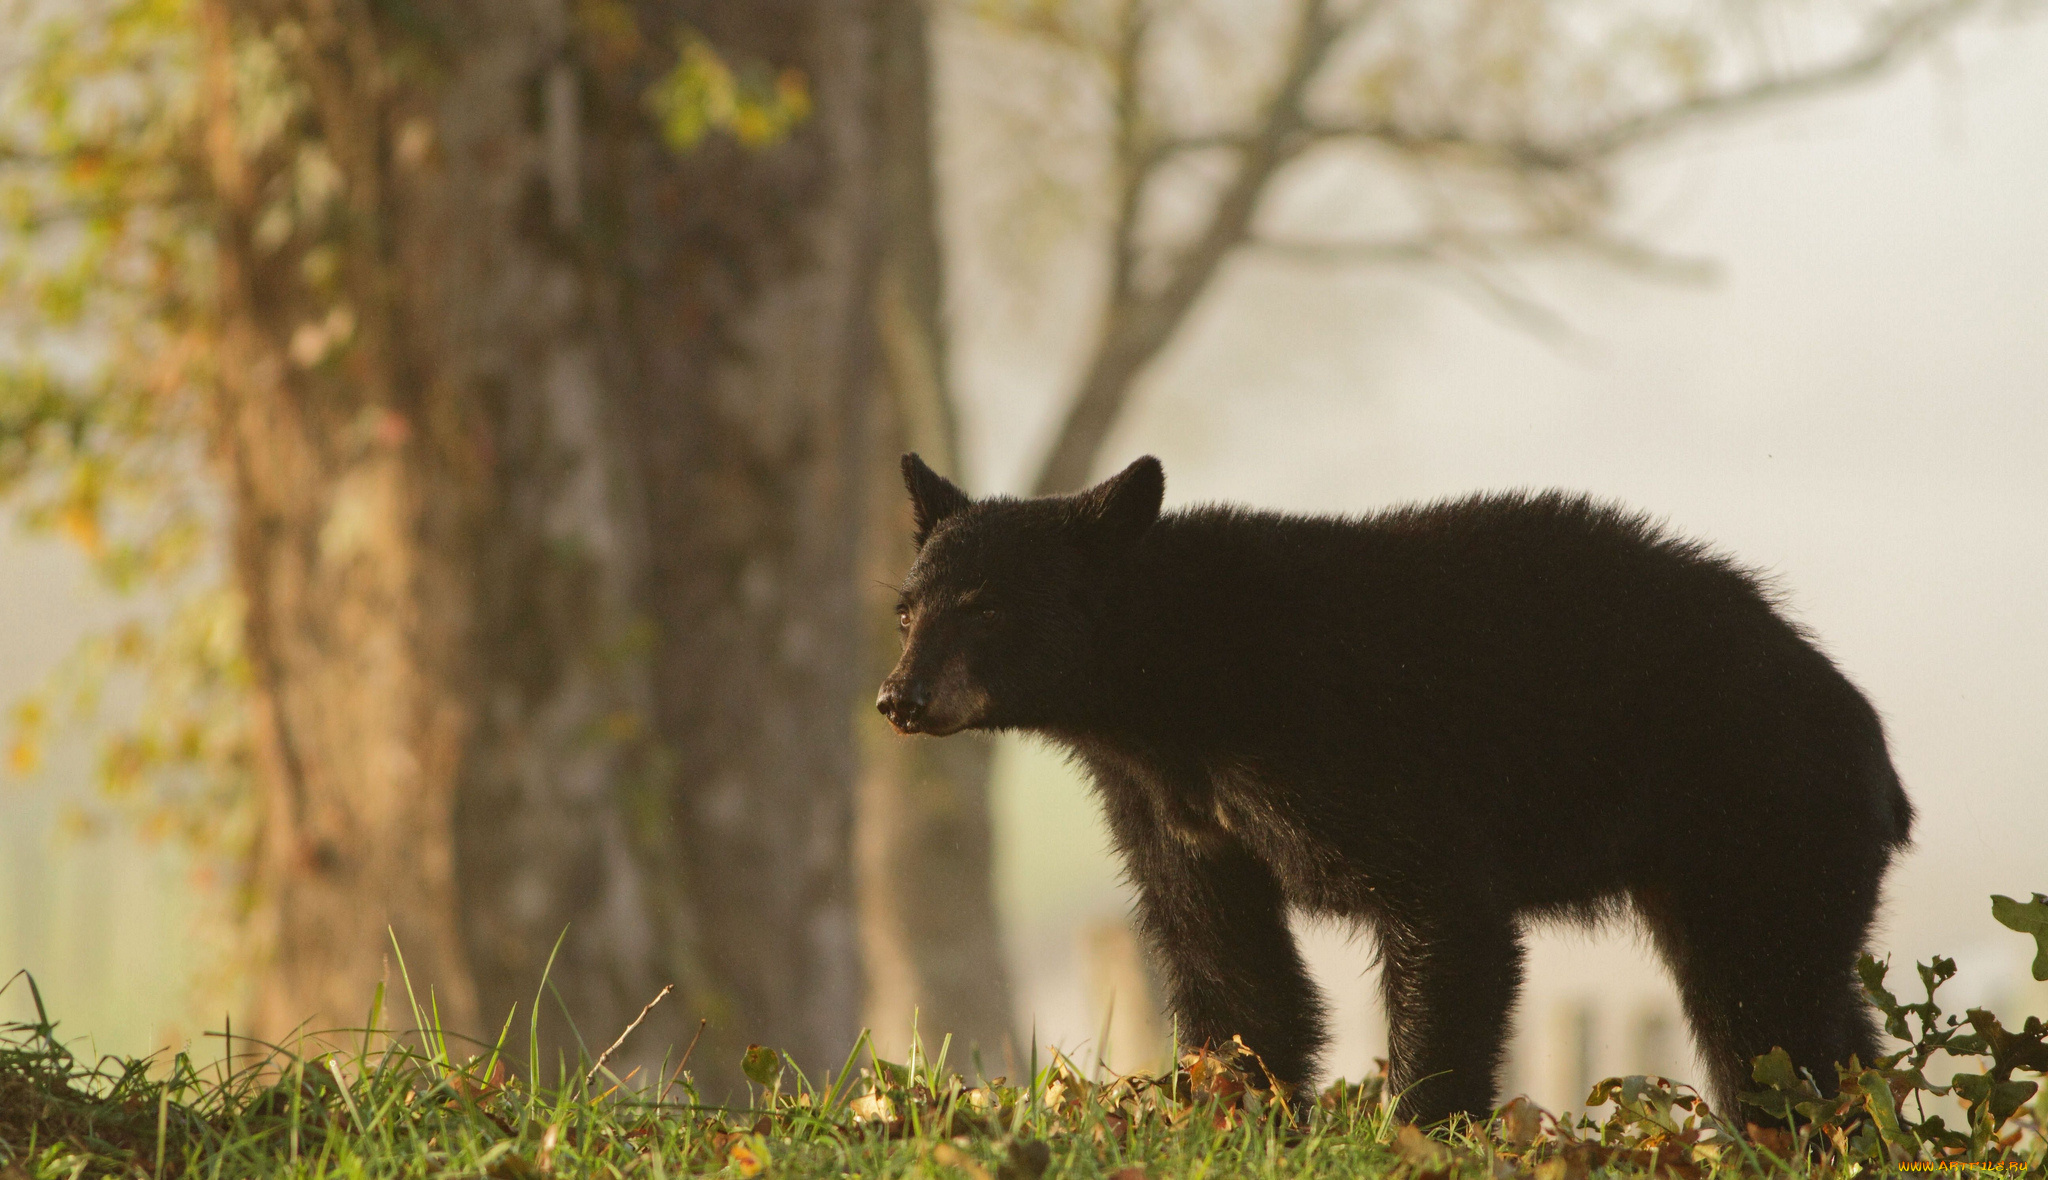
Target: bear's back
[(1506, 564), (1466, 618)]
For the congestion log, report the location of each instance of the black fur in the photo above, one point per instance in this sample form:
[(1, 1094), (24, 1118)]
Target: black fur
[(1441, 721)]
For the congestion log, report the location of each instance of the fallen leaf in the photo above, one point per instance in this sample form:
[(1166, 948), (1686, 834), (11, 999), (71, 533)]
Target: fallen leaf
[(1520, 1122), (748, 1153), (953, 1157), (1027, 1160), (1419, 1149), (1777, 1140)]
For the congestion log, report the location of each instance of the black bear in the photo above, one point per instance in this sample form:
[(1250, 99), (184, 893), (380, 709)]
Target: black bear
[(1441, 721)]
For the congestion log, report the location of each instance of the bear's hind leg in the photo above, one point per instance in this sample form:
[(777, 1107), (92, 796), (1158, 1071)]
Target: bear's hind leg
[(1776, 970), (1449, 984)]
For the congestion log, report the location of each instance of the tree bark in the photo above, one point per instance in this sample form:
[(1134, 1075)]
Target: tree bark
[(549, 546), (352, 480), (924, 843), (745, 315), (556, 879)]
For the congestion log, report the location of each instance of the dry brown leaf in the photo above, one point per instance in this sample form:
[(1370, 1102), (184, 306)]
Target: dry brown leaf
[(953, 1157), (1520, 1122)]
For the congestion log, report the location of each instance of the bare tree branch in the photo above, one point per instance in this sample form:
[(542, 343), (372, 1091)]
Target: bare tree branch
[(1140, 324), (1420, 248), (1135, 163), (1481, 260), (1884, 49), (1560, 182), (1515, 155), (1895, 41), (1644, 258), (1477, 259), (1498, 290), (1436, 245)]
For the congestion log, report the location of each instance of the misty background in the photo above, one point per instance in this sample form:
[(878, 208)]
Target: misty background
[(1855, 402)]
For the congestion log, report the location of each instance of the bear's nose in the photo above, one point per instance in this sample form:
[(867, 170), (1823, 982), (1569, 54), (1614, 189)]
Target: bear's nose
[(903, 703)]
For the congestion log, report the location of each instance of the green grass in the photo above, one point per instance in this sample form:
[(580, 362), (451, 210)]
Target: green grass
[(388, 1106), (382, 1103), (379, 1106)]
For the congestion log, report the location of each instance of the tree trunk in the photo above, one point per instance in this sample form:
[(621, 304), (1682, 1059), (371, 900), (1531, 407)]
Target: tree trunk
[(924, 844), (745, 324), (549, 544), (556, 878), (353, 481)]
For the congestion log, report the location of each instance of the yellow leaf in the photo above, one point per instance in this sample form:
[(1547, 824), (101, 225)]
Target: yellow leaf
[(749, 1155), (953, 1157), (81, 523), (873, 1108)]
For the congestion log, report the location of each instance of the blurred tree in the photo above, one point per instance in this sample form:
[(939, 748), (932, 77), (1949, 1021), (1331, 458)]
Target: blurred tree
[(1457, 136), (924, 843), (687, 359), (525, 350)]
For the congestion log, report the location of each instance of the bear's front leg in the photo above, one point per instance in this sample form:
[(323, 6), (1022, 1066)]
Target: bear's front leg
[(1217, 921), (1449, 980)]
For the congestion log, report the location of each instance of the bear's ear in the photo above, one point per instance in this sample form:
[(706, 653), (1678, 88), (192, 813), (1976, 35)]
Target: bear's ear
[(1119, 509), (933, 497)]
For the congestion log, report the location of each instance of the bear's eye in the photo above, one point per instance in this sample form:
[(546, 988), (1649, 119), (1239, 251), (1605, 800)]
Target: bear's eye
[(988, 614)]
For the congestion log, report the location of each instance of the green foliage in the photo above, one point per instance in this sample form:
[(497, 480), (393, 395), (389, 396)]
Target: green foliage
[(107, 346), (2027, 917), (108, 270), (112, 423), (177, 766), (703, 94), (1868, 1116), (383, 1103), (761, 1065)]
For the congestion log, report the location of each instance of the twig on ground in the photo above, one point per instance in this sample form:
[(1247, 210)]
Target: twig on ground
[(606, 1055), (687, 1050)]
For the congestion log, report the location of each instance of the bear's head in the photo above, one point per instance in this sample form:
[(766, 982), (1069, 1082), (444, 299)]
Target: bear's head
[(1001, 612)]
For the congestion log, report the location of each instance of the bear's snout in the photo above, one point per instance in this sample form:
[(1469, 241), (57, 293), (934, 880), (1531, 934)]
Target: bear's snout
[(904, 703)]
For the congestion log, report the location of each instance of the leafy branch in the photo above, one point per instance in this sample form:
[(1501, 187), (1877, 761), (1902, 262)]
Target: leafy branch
[(1868, 1111)]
